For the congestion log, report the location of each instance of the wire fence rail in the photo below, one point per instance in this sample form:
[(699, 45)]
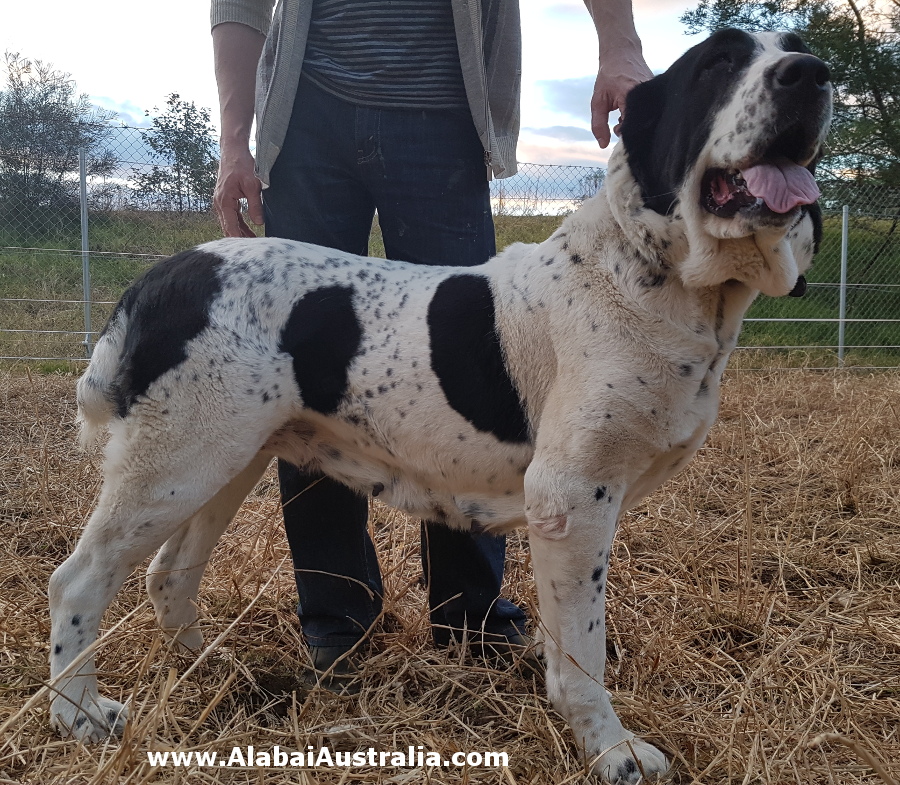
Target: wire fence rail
[(70, 247)]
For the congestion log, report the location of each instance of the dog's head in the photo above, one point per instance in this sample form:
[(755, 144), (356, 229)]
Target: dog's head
[(726, 141)]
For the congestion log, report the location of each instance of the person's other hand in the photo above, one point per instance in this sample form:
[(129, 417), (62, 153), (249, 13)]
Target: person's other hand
[(237, 180), (616, 77)]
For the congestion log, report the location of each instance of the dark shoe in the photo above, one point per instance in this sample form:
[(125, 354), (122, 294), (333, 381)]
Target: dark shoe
[(512, 648), (506, 645), (332, 669)]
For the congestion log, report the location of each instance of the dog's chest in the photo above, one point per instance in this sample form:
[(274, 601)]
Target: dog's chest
[(678, 435)]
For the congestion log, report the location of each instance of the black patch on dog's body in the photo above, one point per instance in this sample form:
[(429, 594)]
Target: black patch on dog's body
[(322, 335), (165, 308), (467, 358)]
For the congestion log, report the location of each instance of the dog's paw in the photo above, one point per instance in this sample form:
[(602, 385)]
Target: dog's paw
[(631, 762), (188, 640), (102, 719)]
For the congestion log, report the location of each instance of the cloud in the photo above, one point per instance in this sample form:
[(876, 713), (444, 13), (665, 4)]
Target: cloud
[(571, 154), (572, 10), (569, 96), (575, 10), (658, 7), (564, 133), (127, 112)]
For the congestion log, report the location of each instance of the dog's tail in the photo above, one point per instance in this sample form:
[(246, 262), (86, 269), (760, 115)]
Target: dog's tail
[(97, 392)]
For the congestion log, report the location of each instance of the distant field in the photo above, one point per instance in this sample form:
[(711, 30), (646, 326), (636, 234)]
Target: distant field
[(124, 244)]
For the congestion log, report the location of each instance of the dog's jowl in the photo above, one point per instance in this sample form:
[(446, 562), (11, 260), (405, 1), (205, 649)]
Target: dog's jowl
[(553, 387)]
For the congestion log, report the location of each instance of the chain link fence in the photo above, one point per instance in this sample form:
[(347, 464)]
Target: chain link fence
[(70, 246), (851, 311)]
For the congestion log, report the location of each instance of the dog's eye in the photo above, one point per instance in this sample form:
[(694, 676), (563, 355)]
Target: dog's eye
[(718, 61)]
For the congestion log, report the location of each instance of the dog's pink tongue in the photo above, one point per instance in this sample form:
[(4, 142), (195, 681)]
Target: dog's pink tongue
[(782, 185)]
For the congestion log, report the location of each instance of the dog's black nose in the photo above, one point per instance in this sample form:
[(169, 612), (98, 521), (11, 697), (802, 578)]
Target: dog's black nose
[(800, 71)]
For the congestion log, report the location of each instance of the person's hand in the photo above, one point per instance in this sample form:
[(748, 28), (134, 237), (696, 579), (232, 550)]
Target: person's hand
[(237, 180), (616, 77)]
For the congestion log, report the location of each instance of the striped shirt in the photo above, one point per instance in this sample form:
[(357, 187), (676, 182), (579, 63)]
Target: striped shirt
[(387, 53)]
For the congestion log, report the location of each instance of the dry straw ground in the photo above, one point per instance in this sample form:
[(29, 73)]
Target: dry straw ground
[(754, 620)]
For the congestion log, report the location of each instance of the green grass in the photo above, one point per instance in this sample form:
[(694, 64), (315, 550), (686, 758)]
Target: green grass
[(124, 244), (874, 260), (509, 229), (57, 278)]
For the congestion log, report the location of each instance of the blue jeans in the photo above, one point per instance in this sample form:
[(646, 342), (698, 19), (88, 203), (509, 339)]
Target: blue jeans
[(424, 173)]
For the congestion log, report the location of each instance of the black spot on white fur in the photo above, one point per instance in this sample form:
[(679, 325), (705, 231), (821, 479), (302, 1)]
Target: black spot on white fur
[(626, 768), (322, 336)]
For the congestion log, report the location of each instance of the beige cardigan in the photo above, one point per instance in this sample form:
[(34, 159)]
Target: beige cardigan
[(490, 46)]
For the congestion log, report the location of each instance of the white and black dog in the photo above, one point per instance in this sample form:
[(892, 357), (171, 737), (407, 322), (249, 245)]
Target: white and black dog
[(554, 386)]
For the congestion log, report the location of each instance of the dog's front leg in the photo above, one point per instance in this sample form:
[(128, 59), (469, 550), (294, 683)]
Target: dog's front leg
[(571, 523)]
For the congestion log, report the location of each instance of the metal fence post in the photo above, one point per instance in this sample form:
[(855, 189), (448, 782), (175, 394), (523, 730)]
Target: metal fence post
[(842, 307), (85, 256)]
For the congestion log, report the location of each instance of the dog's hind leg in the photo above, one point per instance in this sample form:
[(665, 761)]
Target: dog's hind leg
[(155, 481), (173, 579), (119, 535), (571, 522)]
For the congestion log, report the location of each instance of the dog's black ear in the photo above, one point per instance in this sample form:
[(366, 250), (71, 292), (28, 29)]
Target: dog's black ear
[(668, 119), (643, 110), (640, 128)]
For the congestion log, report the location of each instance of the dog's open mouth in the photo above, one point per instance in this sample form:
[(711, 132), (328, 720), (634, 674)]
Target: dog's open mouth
[(779, 186), (774, 183)]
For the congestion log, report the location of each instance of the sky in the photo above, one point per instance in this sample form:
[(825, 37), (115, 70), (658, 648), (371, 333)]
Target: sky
[(128, 60)]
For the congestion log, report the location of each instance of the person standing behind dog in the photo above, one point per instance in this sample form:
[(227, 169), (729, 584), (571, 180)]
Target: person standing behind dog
[(408, 108)]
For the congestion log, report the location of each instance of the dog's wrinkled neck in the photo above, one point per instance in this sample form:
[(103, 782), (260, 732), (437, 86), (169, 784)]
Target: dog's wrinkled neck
[(658, 239)]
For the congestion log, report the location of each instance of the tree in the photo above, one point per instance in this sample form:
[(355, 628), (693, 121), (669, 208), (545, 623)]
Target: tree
[(588, 185), (183, 139), (43, 123), (860, 43)]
